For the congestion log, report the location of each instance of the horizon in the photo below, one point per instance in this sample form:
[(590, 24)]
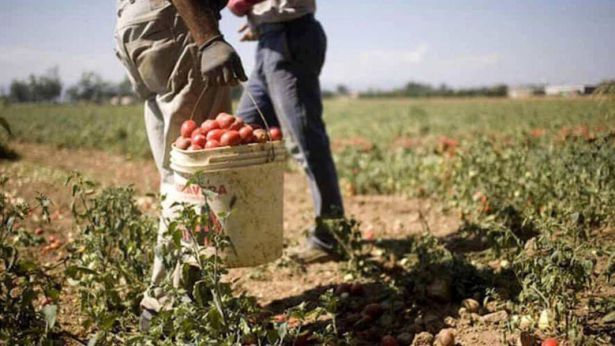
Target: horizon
[(476, 44)]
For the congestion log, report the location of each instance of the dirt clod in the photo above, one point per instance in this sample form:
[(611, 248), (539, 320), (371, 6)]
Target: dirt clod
[(405, 338), (439, 289), (423, 339), (446, 337), (495, 317), (373, 310), (527, 339), (471, 305)]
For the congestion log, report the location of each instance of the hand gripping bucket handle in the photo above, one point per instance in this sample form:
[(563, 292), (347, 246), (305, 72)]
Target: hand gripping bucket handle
[(271, 156)]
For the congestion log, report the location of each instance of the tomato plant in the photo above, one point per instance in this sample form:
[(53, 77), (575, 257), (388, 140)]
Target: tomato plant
[(29, 294)]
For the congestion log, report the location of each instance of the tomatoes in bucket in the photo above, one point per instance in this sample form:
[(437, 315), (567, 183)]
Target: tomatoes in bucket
[(224, 130)]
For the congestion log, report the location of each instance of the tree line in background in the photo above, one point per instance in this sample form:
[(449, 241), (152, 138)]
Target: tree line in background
[(48, 87), (415, 89), (91, 87)]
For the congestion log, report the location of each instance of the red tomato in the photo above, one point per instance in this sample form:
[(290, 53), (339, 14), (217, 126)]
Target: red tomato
[(275, 133), (194, 147), (343, 288), (198, 139), (357, 289), (187, 127), (373, 310), (225, 120), (182, 143), (389, 340), (236, 125), (195, 132), (215, 134), (231, 138), (260, 136), (549, 342), (246, 133), (369, 235), (212, 144), (209, 125)]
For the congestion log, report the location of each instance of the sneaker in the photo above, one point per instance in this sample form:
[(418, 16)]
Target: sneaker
[(309, 253)]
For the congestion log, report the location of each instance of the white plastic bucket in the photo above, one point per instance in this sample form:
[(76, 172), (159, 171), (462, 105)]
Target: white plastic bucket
[(251, 178)]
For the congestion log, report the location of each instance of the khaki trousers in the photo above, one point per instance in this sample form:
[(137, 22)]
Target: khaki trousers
[(163, 65)]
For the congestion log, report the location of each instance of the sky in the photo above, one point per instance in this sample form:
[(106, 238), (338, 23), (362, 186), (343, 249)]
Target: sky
[(371, 44)]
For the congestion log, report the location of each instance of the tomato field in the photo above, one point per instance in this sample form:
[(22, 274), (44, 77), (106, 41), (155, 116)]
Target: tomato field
[(470, 222)]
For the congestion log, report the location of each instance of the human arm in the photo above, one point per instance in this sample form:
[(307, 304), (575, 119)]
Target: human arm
[(220, 64), (248, 33)]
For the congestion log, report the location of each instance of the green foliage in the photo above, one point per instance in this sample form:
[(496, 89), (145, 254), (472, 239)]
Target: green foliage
[(541, 203), (92, 88), (110, 261), (415, 89), (116, 129), (533, 181), (29, 295), (203, 309), (44, 88)]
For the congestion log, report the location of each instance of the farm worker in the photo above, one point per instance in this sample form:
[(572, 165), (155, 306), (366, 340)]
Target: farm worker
[(172, 50), (285, 85)]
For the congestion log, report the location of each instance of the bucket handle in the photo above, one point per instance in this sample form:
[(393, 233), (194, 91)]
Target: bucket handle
[(258, 110), (260, 113)]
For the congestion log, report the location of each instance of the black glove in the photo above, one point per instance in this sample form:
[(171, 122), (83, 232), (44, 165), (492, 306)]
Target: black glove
[(220, 64)]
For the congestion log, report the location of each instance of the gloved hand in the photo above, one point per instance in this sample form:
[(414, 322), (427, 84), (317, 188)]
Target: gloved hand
[(220, 64)]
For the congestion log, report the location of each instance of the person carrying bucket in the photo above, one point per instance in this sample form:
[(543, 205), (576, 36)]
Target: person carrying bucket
[(285, 86), (179, 63)]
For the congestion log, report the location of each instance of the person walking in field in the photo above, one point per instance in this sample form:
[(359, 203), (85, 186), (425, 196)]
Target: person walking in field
[(285, 86), (179, 63)]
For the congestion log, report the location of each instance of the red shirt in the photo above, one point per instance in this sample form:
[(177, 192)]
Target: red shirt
[(241, 7)]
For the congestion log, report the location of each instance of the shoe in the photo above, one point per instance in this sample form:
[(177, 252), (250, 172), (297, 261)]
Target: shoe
[(145, 320), (313, 250)]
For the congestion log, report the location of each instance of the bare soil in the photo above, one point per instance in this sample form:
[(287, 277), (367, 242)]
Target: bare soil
[(391, 218)]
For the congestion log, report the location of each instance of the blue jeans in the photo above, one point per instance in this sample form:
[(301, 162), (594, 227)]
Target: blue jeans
[(286, 87)]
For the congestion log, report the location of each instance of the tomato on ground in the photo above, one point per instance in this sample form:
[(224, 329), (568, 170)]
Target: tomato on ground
[(549, 342)]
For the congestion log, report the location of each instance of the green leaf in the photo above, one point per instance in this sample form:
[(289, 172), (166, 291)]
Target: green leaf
[(202, 293), (108, 322), (610, 317), (94, 340), (50, 313), (52, 293), (73, 270), (5, 124)]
